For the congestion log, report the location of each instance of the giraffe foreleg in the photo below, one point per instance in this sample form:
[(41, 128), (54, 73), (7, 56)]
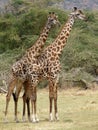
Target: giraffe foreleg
[(53, 85), (55, 97), (32, 113), (28, 108), (51, 100), (33, 100), (50, 115), (35, 113), (55, 106)]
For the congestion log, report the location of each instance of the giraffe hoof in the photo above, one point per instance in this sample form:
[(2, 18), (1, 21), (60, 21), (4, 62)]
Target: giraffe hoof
[(33, 121), (23, 119), (51, 117), (56, 117), (5, 121), (37, 120), (29, 119), (16, 120), (51, 120)]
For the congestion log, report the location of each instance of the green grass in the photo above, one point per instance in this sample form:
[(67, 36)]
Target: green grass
[(78, 110)]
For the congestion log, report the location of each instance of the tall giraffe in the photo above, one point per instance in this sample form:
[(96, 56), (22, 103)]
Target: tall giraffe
[(48, 63), (18, 68)]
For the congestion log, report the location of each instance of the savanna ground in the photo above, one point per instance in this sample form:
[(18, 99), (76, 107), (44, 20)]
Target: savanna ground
[(78, 110)]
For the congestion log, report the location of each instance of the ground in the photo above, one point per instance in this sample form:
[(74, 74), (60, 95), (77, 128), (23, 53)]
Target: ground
[(78, 110)]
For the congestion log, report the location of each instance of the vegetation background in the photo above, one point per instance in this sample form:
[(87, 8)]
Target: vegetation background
[(21, 22)]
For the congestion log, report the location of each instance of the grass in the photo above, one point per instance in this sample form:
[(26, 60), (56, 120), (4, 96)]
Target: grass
[(78, 110)]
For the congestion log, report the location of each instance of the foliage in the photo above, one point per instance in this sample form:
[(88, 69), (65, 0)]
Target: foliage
[(19, 30), (82, 47)]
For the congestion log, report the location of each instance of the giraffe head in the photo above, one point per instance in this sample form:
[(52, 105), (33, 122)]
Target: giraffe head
[(76, 13), (52, 19)]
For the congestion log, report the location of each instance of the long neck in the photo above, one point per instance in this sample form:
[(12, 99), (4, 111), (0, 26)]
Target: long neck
[(36, 49), (60, 42)]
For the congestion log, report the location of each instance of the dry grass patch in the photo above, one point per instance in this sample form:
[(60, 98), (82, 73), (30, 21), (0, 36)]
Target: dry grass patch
[(78, 110)]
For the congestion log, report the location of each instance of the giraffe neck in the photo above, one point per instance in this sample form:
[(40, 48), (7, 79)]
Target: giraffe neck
[(61, 40), (33, 52), (36, 49)]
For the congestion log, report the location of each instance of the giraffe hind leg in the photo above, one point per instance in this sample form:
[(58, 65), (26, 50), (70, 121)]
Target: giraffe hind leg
[(16, 96), (24, 101), (50, 115), (10, 91), (53, 97), (28, 108)]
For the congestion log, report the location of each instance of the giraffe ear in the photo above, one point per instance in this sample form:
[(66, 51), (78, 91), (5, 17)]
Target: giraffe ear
[(80, 12), (53, 13), (75, 8), (49, 12)]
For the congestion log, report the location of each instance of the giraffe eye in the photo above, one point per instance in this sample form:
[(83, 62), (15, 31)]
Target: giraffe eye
[(78, 14)]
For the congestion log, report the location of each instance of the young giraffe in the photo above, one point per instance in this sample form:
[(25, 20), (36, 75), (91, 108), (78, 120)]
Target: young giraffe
[(48, 63), (18, 69)]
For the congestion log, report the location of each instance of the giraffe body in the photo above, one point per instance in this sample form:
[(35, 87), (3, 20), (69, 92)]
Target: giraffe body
[(47, 65), (48, 62), (19, 68)]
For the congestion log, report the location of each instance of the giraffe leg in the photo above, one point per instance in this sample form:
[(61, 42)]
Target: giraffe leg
[(51, 116), (55, 100), (16, 118), (28, 108), (35, 104), (36, 117), (10, 91), (33, 81), (16, 96), (32, 105), (51, 100), (55, 108), (26, 100), (33, 100), (32, 115), (53, 97), (34, 109), (23, 116)]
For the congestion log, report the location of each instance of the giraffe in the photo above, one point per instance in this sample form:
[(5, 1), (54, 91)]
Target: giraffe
[(18, 68), (48, 63)]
